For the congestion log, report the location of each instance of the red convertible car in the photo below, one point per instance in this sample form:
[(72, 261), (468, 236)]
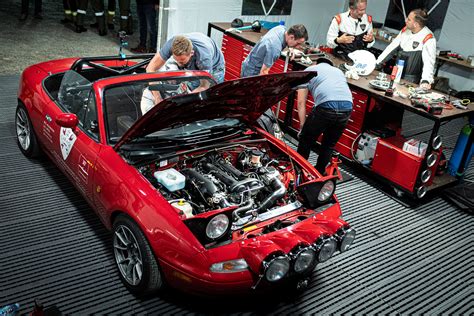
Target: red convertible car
[(196, 194)]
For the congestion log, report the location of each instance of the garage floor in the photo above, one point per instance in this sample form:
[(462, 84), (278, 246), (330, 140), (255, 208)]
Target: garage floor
[(54, 248)]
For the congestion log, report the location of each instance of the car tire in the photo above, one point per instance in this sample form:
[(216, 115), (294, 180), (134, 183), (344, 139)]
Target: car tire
[(25, 134), (137, 265)]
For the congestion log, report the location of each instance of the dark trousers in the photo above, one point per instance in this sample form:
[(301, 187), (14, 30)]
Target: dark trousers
[(147, 20), (25, 4), (70, 5), (327, 121)]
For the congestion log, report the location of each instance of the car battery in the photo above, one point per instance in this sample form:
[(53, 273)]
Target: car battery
[(366, 148), (396, 165)]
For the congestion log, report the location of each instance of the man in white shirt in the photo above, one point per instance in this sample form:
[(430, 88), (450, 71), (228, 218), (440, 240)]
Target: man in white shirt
[(416, 45), (351, 30)]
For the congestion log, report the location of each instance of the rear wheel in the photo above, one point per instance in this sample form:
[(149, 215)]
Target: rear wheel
[(136, 263), (25, 135)]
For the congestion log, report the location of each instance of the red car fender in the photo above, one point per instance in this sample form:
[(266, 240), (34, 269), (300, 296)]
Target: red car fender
[(124, 189)]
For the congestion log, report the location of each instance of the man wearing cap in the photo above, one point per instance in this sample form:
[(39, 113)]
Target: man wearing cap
[(268, 49), (192, 51), (330, 114), (416, 45), (351, 30)]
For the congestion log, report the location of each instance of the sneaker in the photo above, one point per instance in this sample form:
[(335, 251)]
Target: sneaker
[(23, 16), (138, 50), (38, 16)]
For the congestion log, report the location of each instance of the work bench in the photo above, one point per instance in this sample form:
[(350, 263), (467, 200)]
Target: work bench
[(373, 114)]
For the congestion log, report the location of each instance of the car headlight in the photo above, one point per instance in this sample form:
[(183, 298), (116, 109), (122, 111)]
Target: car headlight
[(347, 239), (217, 226), (317, 192), (231, 266), (276, 269), (327, 190), (327, 249), (304, 259)]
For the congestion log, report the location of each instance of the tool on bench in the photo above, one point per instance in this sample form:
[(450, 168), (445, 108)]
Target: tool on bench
[(434, 108)]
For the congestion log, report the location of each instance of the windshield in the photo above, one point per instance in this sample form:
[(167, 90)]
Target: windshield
[(74, 91), (126, 103), (199, 133), (195, 128)]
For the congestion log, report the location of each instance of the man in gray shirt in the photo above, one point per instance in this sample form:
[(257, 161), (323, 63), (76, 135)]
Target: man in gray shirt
[(330, 114), (193, 51), (268, 49)]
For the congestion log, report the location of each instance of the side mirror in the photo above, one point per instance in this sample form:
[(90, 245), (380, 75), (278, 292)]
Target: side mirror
[(67, 120)]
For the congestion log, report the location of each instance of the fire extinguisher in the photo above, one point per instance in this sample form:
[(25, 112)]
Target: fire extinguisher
[(463, 151)]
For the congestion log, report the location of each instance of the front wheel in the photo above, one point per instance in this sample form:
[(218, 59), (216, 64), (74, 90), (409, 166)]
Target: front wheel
[(25, 135), (135, 260)]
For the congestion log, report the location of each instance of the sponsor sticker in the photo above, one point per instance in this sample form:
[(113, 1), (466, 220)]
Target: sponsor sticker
[(67, 138)]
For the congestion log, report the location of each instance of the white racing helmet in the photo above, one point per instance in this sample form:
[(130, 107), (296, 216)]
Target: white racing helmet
[(363, 62)]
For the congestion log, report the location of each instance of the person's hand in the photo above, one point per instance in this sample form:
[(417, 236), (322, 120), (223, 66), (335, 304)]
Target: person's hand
[(345, 39), (369, 37), (425, 86)]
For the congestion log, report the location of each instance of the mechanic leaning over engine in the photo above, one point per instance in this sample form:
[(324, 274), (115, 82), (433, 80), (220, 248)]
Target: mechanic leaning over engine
[(351, 30), (268, 49), (416, 45), (192, 51), (330, 114)]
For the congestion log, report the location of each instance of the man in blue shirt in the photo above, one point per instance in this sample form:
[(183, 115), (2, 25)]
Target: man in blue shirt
[(331, 111), (268, 49), (193, 51)]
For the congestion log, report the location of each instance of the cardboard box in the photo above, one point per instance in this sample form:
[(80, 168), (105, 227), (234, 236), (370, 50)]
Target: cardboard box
[(415, 147)]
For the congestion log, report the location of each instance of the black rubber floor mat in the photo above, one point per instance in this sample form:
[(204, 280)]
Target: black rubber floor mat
[(55, 249)]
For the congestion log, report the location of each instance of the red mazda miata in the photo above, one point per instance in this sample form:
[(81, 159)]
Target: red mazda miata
[(197, 195)]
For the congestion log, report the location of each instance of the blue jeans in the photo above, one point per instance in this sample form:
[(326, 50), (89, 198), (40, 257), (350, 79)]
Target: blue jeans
[(331, 123), (147, 21)]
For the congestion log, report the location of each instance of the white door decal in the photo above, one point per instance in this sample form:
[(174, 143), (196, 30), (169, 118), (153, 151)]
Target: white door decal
[(67, 139)]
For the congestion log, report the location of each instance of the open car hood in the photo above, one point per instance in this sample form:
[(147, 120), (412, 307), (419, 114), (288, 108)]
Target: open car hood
[(245, 99)]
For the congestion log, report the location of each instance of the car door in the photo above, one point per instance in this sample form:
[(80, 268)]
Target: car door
[(80, 147)]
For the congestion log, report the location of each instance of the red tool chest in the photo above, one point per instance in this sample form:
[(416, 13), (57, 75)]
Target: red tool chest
[(393, 163)]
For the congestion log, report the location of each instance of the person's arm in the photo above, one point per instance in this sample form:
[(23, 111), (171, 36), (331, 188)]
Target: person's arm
[(160, 57), (428, 55), (332, 33), (156, 63), (394, 44), (369, 37), (302, 97), (271, 55), (203, 85), (264, 70), (205, 64)]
